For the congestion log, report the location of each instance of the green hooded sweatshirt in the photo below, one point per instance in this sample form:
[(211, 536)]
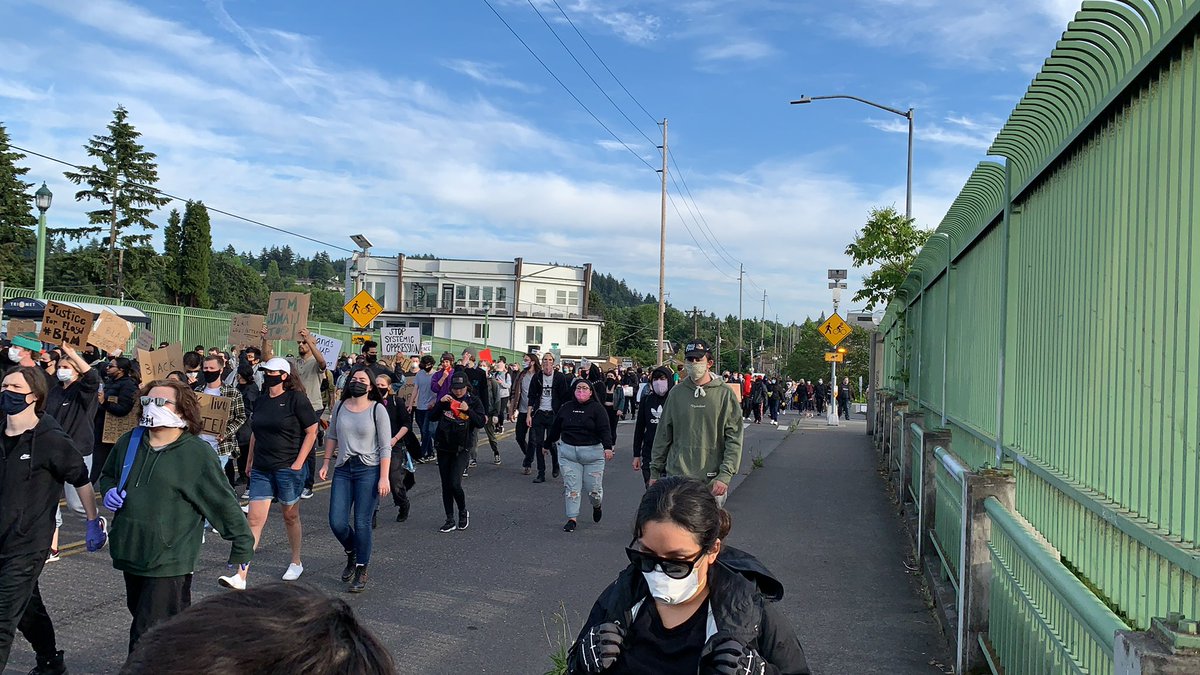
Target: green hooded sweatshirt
[(169, 494), (699, 434)]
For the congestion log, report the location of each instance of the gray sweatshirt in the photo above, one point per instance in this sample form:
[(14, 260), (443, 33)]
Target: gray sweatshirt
[(365, 434)]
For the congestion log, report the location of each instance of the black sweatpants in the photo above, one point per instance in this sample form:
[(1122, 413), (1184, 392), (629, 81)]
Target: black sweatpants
[(451, 465), (542, 421), (21, 606), (153, 600), (522, 434)]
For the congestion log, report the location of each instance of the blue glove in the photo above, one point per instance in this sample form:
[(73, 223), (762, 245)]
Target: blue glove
[(114, 500), (96, 535)]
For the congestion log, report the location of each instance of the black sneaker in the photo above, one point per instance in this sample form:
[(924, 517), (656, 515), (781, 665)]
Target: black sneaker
[(497, 460), (448, 526), (464, 519), (597, 514), (472, 464), (466, 474), (540, 479), (555, 473), (348, 570), (570, 526), (360, 579), (51, 666), (307, 494)]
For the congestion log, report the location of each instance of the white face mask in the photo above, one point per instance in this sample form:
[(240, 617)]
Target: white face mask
[(673, 591), (64, 374), (14, 354), (155, 416), (660, 387), (696, 369)]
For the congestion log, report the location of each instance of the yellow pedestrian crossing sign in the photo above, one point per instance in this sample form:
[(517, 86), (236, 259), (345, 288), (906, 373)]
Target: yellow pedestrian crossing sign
[(363, 309), (835, 329)]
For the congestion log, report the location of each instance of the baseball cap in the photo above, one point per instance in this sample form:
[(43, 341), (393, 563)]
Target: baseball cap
[(696, 348), (458, 381), (28, 341), (276, 363)]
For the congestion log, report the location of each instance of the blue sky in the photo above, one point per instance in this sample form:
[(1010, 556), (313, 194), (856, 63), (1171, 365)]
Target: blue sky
[(428, 126)]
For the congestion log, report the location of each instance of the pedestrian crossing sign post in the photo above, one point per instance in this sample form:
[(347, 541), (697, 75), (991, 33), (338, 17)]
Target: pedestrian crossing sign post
[(835, 357), (835, 329), (363, 309)]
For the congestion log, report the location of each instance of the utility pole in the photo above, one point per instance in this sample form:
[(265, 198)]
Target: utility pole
[(695, 321), (741, 273), (718, 333), (662, 248), (762, 333)]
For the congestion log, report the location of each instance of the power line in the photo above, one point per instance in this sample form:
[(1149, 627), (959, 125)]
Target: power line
[(693, 236), (717, 245), (689, 208), (185, 201), (566, 88)]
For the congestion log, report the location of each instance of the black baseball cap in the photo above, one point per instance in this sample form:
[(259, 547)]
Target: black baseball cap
[(696, 348), (458, 381)]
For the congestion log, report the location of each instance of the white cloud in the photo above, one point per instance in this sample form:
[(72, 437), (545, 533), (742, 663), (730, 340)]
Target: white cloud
[(954, 130), (487, 73), (737, 50)]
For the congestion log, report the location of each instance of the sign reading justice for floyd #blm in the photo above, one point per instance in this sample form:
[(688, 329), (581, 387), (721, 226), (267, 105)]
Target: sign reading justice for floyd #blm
[(64, 324)]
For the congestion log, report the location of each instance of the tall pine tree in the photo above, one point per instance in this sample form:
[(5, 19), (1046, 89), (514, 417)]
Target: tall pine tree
[(172, 249), (195, 256), (16, 217), (124, 182)]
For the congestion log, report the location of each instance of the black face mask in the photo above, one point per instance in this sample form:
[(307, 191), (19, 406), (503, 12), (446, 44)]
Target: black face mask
[(371, 359), (271, 380), (356, 388), (211, 376), (13, 403)]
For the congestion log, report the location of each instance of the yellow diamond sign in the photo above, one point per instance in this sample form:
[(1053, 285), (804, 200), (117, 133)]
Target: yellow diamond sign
[(363, 309), (835, 329)]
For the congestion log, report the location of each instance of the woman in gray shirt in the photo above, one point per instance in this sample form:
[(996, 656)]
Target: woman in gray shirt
[(359, 443)]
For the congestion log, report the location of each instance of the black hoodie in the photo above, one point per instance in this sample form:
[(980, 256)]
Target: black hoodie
[(649, 411), (581, 424), (741, 596), (32, 474)]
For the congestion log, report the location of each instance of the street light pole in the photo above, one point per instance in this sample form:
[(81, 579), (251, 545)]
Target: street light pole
[(908, 114), (42, 199)]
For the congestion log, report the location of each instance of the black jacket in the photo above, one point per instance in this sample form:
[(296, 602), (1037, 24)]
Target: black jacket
[(648, 414), (741, 598), (454, 433), (31, 480), (581, 424), (250, 395), (75, 409), (479, 384), (560, 394), (119, 396)]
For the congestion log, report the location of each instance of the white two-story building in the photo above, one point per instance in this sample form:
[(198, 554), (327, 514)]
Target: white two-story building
[(508, 304)]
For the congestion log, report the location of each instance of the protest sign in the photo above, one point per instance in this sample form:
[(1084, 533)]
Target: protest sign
[(111, 332), (115, 427), (18, 326), (329, 347), (408, 394), (214, 413), (396, 340), (485, 355), (287, 313), (158, 364), (245, 330), (64, 324), (427, 347), (145, 340)]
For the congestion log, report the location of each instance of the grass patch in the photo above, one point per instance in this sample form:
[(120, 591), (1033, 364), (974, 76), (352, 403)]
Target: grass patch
[(560, 642)]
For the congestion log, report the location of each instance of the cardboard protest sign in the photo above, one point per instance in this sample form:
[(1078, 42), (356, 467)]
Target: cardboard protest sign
[(329, 347), (111, 333), (158, 364), (18, 326), (115, 427), (287, 313), (246, 330), (214, 413), (145, 340), (408, 394), (64, 324), (396, 340)]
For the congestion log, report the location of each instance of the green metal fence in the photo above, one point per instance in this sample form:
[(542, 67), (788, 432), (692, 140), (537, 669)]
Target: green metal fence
[(1074, 301), (947, 513)]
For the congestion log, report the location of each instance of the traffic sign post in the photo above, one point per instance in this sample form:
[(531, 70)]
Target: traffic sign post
[(835, 329), (363, 309)]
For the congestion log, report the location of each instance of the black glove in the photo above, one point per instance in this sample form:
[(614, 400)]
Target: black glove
[(724, 655), (600, 647)]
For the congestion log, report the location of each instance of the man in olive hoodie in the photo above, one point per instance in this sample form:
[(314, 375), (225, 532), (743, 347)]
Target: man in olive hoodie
[(700, 432)]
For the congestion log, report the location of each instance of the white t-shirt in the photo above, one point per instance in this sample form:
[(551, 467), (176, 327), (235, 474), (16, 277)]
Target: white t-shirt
[(547, 402)]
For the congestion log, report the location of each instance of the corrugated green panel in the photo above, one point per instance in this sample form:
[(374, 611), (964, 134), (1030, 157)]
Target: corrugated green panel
[(975, 336)]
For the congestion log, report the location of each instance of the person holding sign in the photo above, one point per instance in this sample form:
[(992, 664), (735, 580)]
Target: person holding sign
[(38, 457), (162, 482), (72, 401), (282, 434), (359, 442), (117, 398)]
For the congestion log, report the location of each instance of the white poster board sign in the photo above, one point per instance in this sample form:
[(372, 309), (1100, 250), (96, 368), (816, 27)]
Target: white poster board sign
[(427, 347), (396, 340), (330, 348)]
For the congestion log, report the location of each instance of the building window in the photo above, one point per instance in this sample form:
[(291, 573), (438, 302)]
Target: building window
[(577, 337), (377, 290), (540, 298), (560, 297), (481, 330), (573, 298), (533, 335)]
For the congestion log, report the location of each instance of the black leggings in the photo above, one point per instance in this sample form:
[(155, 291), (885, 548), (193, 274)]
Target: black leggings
[(451, 464)]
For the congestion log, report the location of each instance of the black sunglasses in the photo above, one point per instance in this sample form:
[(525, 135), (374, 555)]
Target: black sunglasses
[(646, 562)]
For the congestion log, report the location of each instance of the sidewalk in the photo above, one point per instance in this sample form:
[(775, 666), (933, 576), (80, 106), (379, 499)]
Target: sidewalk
[(817, 514)]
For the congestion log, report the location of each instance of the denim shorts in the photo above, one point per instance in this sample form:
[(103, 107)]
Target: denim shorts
[(282, 484)]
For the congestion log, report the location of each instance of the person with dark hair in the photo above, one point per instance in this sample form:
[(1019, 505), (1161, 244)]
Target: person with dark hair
[(687, 602), (225, 444), (36, 458), (587, 444), (649, 412), (519, 407), (283, 432), (477, 380), (457, 413), (191, 367), (279, 628), (72, 401), (548, 390), (117, 398), (360, 435), (425, 401), (249, 391), (614, 399), (162, 482), (404, 444)]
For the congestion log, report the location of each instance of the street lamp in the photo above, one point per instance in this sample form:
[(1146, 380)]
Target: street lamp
[(360, 263), (42, 199), (906, 114)]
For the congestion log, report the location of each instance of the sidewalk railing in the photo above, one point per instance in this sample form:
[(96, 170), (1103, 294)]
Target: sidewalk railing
[(946, 537)]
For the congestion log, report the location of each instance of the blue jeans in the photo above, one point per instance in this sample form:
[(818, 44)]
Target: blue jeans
[(581, 464), (427, 425), (355, 485)]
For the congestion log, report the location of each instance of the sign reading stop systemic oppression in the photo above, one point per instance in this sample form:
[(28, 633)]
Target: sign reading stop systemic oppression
[(398, 340), (64, 324)]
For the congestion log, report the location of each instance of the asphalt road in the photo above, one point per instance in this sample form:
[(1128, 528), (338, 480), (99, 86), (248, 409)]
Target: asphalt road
[(494, 598)]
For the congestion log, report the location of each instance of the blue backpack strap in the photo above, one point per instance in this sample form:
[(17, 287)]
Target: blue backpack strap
[(131, 451)]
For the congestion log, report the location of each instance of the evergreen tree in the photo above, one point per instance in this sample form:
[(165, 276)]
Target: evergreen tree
[(274, 279), (172, 251), (123, 183), (237, 285), (195, 257), (16, 217)]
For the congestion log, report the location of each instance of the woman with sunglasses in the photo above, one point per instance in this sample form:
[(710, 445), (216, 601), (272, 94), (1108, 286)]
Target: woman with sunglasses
[(687, 603)]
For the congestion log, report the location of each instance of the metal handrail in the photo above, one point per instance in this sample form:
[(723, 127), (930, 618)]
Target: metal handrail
[(952, 463)]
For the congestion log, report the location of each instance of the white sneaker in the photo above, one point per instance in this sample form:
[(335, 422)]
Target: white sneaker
[(293, 572), (234, 581)]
